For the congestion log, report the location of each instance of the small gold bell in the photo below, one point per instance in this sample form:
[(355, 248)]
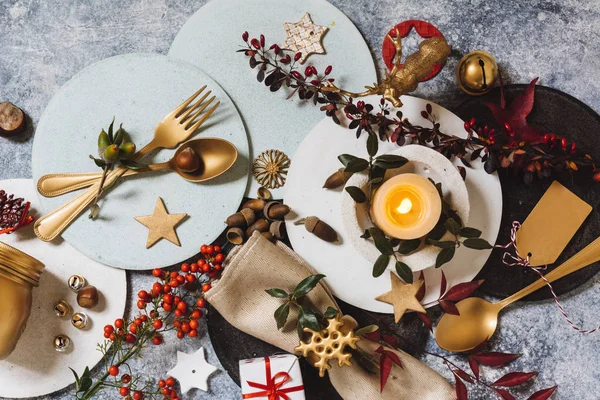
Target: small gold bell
[(76, 283), (477, 73), (62, 309), (62, 343), (79, 320)]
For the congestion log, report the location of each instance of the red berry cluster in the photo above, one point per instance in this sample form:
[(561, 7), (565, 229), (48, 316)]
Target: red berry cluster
[(166, 389)]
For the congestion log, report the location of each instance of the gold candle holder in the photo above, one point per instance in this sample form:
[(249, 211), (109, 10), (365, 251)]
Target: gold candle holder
[(19, 274)]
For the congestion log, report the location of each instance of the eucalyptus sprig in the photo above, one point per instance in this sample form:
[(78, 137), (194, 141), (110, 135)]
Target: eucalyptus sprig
[(113, 148), (307, 317)]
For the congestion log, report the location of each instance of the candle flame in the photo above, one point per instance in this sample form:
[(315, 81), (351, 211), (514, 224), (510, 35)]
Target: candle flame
[(405, 206)]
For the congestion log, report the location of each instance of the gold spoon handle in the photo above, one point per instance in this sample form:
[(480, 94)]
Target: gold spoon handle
[(589, 255), (54, 223), (52, 185)]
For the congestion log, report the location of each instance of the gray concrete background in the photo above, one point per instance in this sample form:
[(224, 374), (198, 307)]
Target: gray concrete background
[(44, 43)]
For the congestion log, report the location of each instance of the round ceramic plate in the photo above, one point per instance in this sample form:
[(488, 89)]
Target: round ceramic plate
[(35, 368), (210, 38), (139, 90), (349, 275)]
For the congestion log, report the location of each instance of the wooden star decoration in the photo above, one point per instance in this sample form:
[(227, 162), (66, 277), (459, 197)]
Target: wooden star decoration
[(403, 297), (192, 371), (161, 224), (304, 37)]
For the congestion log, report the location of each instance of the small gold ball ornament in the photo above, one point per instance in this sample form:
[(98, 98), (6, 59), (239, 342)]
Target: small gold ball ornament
[(477, 73)]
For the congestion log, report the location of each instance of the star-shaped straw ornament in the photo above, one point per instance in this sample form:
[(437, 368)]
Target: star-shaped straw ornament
[(161, 224), (304, 37), (403, 297)]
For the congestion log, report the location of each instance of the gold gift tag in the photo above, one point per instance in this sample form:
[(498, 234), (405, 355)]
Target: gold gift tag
[(551, 225)]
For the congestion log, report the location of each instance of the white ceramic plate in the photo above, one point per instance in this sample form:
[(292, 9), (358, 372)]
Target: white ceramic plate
[(35, 368), (349, 275), (210, 38), (139, 90)]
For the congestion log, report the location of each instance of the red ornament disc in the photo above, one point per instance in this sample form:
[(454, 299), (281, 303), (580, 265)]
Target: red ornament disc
[(424, 29)]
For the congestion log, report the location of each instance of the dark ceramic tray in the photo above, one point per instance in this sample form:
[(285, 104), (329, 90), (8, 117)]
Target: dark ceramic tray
[(553, 111), (564, 115)]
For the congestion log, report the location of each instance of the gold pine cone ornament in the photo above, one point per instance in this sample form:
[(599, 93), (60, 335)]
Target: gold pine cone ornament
[(329, 344)]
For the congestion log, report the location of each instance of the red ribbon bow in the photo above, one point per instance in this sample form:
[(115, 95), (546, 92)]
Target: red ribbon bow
[(272, 390)]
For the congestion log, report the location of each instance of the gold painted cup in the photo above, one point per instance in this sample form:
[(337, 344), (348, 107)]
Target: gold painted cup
[(19, 274)]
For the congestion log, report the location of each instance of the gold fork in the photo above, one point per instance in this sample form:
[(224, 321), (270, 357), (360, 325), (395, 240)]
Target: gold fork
[(175, 128)]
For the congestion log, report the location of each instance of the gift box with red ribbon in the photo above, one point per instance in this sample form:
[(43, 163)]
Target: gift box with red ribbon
[(272, 378)]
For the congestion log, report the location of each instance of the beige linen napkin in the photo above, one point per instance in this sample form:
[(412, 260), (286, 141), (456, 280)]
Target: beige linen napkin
[(240, 297)]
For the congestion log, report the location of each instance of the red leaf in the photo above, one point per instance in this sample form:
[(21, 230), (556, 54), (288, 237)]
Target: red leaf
[(392, 341), (463, 375), (425, 318), (443, 284), (373, 336), (543, 394), (495, 359), (461, 291), (421, 293), (385, 367), (522, 105), (380, 350), (514, 379), (394, 357), (461, 389), (449, 307), (480, 347), (504, 394), (474, 366)]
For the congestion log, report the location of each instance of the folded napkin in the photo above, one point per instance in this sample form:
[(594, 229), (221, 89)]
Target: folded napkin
[(240, 297)]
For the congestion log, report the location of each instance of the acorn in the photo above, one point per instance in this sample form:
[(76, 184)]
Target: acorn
[(263, 193), (235, 236), (337, 179), (242, 219), (12, 119), (318, 228), (277, 229), (88, 297), (188, 160), (255, 205), (275, 210), (268, 236), (262, 225)]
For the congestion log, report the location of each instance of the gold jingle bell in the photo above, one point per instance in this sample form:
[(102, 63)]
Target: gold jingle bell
[(62, 343), (477, 73), (76, 283), (62, 309), (79, 320)]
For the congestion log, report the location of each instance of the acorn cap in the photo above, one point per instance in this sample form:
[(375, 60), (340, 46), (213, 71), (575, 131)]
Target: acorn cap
[(275, 210), (277, 229), (249, 215), (310, 223), (235, 236)]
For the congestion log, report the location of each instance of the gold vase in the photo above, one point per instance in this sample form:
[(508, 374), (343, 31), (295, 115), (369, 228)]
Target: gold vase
[(19, 274)]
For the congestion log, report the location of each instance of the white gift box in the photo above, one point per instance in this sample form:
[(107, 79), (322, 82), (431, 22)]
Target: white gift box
[(280, 374)]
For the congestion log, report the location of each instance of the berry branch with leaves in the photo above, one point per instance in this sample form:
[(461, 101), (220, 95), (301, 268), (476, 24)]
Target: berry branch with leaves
[(174, 303)]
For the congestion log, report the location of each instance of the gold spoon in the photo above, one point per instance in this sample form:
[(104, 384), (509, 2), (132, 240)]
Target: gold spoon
[(216, 157), (478, 318)]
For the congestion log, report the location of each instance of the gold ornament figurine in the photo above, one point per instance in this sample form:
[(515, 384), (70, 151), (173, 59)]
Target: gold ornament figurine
[(477, 73), (270, 168), (329, 344), (404, 79)]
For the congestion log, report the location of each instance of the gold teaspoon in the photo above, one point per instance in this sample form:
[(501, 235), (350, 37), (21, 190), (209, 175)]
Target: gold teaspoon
[(478, 318)]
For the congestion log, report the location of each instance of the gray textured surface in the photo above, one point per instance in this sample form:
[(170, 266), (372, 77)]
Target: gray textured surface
[(44, 43)]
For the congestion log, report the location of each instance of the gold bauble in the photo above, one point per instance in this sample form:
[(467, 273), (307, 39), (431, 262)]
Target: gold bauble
[(477, 73)]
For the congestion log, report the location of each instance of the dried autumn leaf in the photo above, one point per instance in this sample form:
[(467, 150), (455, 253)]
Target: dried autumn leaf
[(394, 357), (543, 394), (385, 367), (462, 291), (426, 320), (514, 379), (504, 394), (461, 389), (474, 366), (443, 285), (391, 341), (495, 359), (463, 375), (421, 293), (449, 307)]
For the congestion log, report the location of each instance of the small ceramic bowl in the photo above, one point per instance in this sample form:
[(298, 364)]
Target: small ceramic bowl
[(422, 161)]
